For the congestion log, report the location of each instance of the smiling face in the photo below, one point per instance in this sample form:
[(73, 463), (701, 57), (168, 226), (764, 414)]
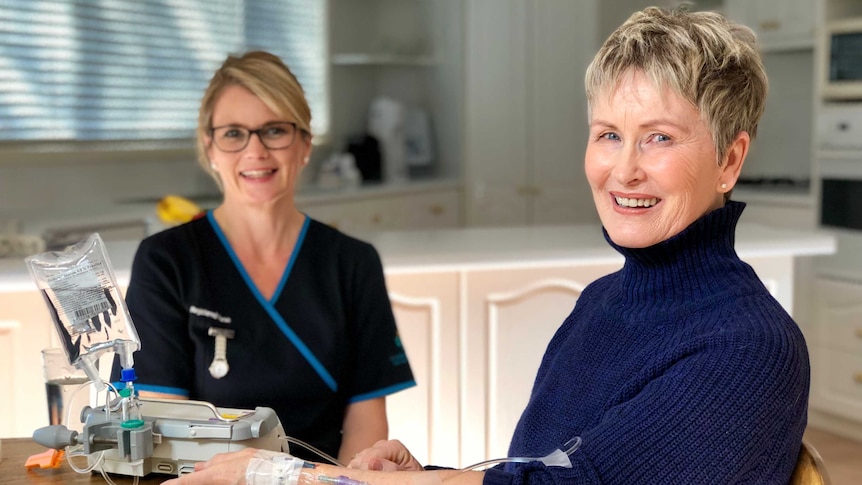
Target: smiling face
[(651, 163), (254, 175)]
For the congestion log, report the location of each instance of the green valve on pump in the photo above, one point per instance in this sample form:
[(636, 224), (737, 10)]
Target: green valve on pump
[(131, 413)]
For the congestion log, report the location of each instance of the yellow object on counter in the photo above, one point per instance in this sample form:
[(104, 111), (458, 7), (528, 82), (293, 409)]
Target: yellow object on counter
[(173, 210)]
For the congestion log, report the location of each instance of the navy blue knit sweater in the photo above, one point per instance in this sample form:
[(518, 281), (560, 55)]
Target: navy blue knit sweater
[(680, 368)]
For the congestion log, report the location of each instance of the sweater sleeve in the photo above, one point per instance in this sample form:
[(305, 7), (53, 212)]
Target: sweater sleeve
[(724, 408)]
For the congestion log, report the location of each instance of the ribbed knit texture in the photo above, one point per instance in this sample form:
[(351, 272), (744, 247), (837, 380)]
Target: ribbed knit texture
[(680, 368)]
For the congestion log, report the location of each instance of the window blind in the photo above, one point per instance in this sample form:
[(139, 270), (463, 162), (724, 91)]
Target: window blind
[(127, 70)]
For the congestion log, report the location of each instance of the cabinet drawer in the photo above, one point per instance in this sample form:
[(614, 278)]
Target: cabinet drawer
[(433, 210), (840, 315), (358, 215), (842, 329), (838, 382), (420, 210)]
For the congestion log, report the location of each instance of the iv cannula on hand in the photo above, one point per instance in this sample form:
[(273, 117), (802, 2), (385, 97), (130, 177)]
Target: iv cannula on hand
[(340, 480)]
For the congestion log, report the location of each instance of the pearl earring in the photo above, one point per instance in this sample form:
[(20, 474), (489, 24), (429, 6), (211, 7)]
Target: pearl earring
[(305, 161), (213, 166), (723, 186)]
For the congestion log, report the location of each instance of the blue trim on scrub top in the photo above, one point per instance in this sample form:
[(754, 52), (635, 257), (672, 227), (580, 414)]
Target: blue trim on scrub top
[(381, 392), (269, 305), (162, 389), (292, 260)]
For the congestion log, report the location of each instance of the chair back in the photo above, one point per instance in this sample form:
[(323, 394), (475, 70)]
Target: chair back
[(809, 467)]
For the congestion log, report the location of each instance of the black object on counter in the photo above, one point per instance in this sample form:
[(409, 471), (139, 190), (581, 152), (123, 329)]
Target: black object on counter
[(366, 151)]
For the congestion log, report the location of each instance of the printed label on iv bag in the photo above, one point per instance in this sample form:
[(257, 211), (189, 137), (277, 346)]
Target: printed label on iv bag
[(81, 295)]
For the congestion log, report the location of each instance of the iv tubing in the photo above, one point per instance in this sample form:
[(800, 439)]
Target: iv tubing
[(308, 447), (100, 456), (76, 450), (551, 459)]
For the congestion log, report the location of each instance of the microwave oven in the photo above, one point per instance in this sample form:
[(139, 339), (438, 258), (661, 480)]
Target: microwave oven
[(841, 58)]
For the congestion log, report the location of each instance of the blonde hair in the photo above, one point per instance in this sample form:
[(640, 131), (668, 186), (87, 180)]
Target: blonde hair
[(265, 76), (709, 61)]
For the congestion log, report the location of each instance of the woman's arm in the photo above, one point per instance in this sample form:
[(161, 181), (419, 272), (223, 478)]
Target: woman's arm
[(230, 468), (364, 424)]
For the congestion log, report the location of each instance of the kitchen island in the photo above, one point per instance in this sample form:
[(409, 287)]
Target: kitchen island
[(475, 309)]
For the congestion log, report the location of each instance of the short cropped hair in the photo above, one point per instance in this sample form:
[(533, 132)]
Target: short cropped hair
[(708, 60), (268, 78)]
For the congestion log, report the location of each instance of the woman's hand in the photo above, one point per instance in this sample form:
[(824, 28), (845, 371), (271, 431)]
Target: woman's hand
[(388, 456), (222, 469)]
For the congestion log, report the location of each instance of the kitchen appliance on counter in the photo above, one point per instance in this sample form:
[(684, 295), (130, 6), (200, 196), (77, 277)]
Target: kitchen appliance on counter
[(839, 159), (386, 123), (405, 138)]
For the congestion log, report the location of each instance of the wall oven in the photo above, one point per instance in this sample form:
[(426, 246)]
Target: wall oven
[(841, 68), (839, 158)]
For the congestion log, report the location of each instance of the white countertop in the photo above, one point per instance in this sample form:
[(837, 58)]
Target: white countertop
[(782, 198), (143, 209), (409, 251), (477, 248)]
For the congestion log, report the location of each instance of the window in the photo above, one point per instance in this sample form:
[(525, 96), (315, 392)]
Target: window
[(132, 71)]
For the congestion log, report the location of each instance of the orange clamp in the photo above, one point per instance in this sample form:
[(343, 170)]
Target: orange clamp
[(46, 459)]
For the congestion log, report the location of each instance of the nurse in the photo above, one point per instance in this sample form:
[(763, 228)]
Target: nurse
[(255, 303)]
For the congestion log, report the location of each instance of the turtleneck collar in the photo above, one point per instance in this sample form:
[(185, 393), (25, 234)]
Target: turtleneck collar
[(699, 262)]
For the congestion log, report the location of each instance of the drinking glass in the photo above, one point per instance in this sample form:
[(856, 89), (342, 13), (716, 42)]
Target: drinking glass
[(62, 380)]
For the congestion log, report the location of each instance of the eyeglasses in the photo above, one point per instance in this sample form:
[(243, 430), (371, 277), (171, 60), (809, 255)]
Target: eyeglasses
[(274, 136)]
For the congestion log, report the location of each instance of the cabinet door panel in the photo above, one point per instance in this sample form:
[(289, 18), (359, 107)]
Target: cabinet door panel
[(26, 331), (836, 367), (838, 385), (840, 316), (496, 205), (525, 110), (777, 275), (779, 24), (8, 327), (510, 317), (425, 417), (495, 111), (559, 125)]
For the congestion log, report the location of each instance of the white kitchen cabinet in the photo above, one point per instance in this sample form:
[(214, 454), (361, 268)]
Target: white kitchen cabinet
[(425, 417), (525, 111), (779, 24), (396, 33), (398, 209), (510, 317), (25, 329), (407, 51), (837, 355), (475, 337)]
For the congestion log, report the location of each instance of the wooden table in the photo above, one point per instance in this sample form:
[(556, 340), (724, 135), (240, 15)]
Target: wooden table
[(17, 450)]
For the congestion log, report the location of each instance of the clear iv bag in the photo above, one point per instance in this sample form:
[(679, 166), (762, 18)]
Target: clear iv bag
[(85, 304)]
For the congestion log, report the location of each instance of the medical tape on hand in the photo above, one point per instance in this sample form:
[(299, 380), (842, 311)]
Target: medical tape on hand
[(272, 468)]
